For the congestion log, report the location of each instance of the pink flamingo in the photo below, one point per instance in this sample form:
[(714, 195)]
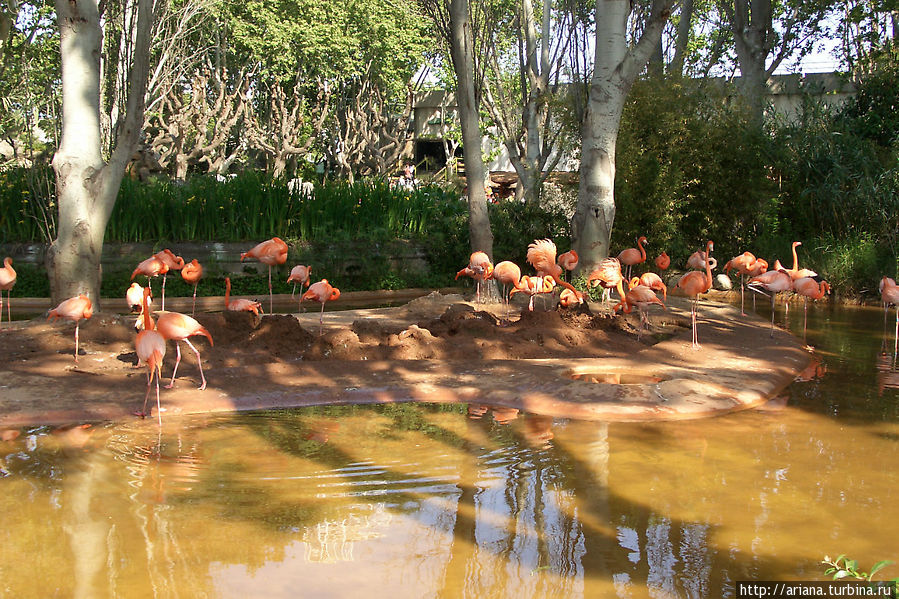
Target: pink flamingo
[(240, 305), (192, 273), (134, 297), (642, 297), (633, 256), (151, 267), (532, 286), (271, 252), (178, 327), (299, 274), (773, 281), (663, 261), (7, 280), (74, 309), (150, 348), (889, 294), (542, 256), (172, 262), (607, 275), (480, 269), (654, 282), (321, 292), (809, 288), (796, 272), (568, 261), (506, 273), (744, 264), (696, 282)]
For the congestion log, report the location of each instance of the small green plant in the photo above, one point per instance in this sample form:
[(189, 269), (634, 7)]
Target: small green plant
[(843, 567)]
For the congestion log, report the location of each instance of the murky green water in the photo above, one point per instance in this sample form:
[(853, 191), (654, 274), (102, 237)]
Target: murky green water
[(428, 501)]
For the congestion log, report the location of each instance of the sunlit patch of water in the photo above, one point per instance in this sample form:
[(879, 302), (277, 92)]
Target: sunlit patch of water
[(466, 501)]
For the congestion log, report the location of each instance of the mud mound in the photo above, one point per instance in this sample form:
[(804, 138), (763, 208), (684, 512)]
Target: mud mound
[(342, 344), (462, 317), (281, 335)]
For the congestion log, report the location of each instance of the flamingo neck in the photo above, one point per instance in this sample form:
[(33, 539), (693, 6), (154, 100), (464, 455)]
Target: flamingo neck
[(708, 264), (227, 292), (640, 243), (795, 258)]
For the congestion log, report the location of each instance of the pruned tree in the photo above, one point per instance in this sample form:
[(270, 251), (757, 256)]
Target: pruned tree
[(616, 67), (194, 124), (368, 133), (289, 125), (87, 186)]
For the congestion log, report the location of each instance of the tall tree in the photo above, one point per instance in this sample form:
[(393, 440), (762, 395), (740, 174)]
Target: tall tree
[(87, 186), (529, 130), (454, 23), (617, 65), (767, 32)]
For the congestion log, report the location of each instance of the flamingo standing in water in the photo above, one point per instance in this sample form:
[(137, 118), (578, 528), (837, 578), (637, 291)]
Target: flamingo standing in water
[(150, 348), (74, 309), (192, 272), (173, 262), (532, 286), (889, 294), (178, 327), (696, 282), (633, 256), (642, 297), (240, 305), (796, 272), (607, 276), (321, 292), (744, 264), (773, 281), (809, 288), (506, 273), (663, 261), (271, 252), (568, 261), (7, 280), (542, 256), (480, 269)]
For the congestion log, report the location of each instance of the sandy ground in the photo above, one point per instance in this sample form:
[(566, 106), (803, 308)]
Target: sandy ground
[(581, 362)]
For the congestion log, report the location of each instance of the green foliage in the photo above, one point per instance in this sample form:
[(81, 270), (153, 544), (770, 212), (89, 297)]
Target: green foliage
[(690, 167), (845, 568), (252, 206)]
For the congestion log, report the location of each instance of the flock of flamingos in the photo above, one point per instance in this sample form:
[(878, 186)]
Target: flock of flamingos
[(150, 342)]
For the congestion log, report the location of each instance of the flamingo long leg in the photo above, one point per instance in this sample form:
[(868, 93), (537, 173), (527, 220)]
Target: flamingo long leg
[(158, 405), (177, 361), (199, 363), (193, 309), (772, 315), (76, 340), (163, 289), (143, 411), (742, 310), (270, 300)]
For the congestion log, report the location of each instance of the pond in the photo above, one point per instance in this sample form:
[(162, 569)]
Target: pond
[(467, 501)]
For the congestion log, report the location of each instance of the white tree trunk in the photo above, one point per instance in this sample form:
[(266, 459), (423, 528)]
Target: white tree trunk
[(616, 68), (86, 186), (463, 64)]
